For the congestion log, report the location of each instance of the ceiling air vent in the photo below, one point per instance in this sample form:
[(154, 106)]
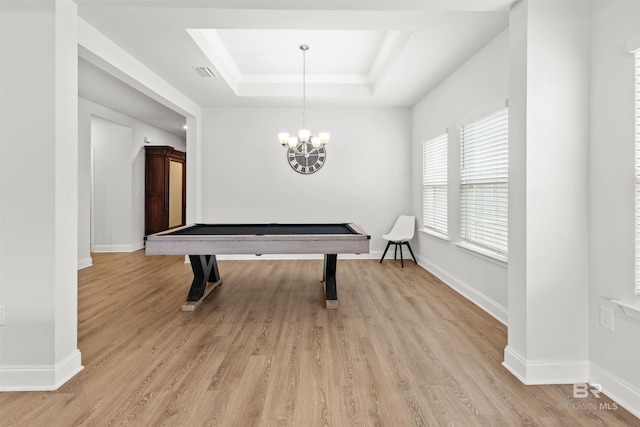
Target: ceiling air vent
[(205, 72)]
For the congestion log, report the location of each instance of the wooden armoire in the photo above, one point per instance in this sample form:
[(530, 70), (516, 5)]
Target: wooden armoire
[(165, 188)]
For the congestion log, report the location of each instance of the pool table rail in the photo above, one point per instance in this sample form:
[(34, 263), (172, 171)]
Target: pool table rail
[(166, 243)]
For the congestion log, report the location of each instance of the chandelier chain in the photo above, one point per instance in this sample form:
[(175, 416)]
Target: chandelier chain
[(304, 85)]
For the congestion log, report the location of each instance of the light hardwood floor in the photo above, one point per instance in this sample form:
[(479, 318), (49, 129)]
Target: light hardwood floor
[(402, 350)]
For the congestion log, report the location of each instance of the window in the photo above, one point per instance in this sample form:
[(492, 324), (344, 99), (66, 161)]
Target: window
[(484, 182), (637, 171), (434, 185)]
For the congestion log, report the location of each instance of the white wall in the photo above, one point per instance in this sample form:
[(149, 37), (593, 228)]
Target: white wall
[(365, 180), (118, 145), (41, 173), (478, 86), (94, 47), (112, 213), (614, 355)]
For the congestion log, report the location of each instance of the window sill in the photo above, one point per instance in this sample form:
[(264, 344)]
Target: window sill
[(486, 254), (629, 309), (435, 234)]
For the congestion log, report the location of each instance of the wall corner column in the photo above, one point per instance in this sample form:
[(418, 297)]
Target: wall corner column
[(39, 193), (548, 195)]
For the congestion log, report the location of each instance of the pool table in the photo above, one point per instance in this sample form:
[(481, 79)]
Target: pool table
[(202, 242)]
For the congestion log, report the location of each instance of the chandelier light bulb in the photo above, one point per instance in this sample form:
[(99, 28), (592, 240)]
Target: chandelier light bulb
[(293, 141), (304, 134), (315, 141), (324, 137), (284, 138)]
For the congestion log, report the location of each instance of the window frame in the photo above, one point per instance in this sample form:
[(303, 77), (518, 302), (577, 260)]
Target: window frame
[(636, 53), (632, 309), (484, 183), (435, 215)]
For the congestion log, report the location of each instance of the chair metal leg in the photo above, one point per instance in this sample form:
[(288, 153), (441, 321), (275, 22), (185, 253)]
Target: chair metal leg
[(395, 252), (412, 255), (385, 251)]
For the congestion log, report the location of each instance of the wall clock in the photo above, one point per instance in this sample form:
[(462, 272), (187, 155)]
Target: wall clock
[(306, 159)]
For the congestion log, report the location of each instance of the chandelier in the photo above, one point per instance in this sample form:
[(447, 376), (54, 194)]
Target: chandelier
[(304, 143)]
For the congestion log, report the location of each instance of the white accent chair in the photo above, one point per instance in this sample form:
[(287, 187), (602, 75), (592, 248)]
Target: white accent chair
[(399, 235)]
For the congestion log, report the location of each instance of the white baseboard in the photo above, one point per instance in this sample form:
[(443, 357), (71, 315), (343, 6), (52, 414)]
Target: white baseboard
[(84, 263), (616, 388), (40, 378), (496, 310), (573, 372), (545, 371), (118, 248), (112, 248)]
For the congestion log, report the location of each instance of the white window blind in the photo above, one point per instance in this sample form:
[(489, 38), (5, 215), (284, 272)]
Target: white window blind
[(434, 184), (484, 181), (637, 171)]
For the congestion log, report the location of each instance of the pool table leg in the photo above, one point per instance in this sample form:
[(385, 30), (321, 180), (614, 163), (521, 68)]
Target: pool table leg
[(206, 278), (329, 278)]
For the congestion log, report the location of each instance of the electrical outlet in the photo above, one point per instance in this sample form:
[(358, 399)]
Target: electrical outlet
[(3, 315), (606, 318)]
